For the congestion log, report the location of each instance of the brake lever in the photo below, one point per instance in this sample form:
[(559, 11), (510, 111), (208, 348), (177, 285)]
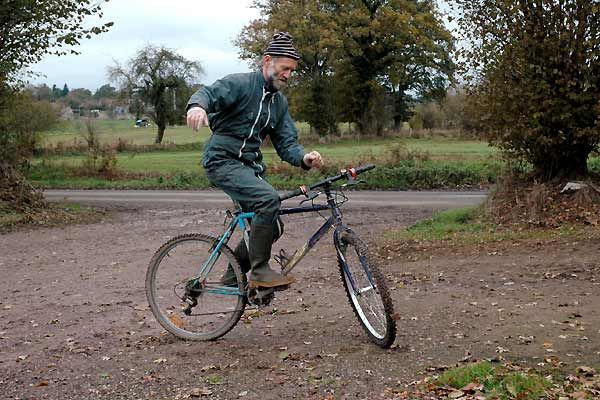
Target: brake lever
[(310, 196), (352, 182)]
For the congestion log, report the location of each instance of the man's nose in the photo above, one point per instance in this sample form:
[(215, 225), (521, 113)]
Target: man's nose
[(286, 74)]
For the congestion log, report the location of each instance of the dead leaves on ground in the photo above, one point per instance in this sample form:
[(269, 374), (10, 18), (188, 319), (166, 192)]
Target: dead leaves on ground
[(583, 384)]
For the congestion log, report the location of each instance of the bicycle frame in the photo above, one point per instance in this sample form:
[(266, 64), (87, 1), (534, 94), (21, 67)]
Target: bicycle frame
[(242, 220)]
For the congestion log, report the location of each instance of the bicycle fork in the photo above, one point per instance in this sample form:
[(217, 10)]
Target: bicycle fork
[(338, 238)]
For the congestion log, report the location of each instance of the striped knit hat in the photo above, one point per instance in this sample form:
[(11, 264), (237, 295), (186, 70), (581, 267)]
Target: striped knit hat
[(282, 46)]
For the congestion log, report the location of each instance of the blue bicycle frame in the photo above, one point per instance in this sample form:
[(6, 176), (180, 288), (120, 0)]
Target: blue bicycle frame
[(242, 220)]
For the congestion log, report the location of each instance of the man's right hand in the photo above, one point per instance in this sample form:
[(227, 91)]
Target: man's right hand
[(196, 118)]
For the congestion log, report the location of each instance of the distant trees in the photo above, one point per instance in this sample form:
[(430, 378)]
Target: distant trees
[(159, 78), (78, 98), (363, 60), (535, 81), (105, 92)]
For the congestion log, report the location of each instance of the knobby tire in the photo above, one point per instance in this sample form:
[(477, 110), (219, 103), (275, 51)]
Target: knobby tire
[(385, 335)]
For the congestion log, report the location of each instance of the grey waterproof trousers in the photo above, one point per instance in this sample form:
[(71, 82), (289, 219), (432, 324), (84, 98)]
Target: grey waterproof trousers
[(244, 185)]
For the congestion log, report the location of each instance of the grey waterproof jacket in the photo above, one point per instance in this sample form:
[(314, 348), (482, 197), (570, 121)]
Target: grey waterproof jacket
[(241, 113)]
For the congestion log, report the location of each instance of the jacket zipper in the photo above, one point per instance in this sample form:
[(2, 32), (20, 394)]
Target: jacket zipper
[(255, 122)]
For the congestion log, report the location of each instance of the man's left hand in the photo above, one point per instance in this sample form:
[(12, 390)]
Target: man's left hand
[(313, 159)]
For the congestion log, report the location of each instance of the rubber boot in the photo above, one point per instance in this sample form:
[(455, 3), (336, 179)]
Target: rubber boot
[(241, 253), (261, 275)]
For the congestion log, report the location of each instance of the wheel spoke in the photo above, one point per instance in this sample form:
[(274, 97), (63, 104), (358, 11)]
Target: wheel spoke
[(210, 309)]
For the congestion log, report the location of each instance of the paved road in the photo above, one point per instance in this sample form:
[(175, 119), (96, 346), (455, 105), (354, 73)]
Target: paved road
[(212, 199)]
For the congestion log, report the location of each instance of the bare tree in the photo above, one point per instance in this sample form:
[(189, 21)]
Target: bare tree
[(153, 76)]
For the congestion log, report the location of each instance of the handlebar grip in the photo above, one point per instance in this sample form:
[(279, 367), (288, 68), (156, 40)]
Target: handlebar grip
[(289, 195), (364, 168)]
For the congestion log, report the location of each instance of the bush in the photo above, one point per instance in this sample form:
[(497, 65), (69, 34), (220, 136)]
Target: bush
[(100, 159), (535, 76), (21, 120)]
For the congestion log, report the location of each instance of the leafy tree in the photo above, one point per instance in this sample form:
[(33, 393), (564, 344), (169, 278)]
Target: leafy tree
[(105, 92), (79, 98), (535, 79), (65, 91), (310, 22), (40, 92), (26, 119), (21, 120), (31, 29), (401, 44), (157, 76)]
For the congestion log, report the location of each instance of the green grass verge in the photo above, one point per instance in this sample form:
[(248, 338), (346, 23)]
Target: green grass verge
[(64, 178), (406, 175), (496, 382), (462, 226), (444, 225)]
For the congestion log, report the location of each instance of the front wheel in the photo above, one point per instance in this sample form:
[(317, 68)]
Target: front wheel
[(184, 289), (366, 289)]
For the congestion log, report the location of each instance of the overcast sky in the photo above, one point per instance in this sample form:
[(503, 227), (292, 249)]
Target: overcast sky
[(200, 30)]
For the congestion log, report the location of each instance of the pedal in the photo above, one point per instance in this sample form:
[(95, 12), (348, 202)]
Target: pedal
[(282, 258), (261, 297)]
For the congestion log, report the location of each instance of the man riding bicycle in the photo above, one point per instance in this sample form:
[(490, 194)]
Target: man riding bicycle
[(242, 110)]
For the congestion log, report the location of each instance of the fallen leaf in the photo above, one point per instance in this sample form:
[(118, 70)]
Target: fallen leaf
[(472, 387), (176, 320), (456, 394), (579, 395), (586, 371), (199, 392)]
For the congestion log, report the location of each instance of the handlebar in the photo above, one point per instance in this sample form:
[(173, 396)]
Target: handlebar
[(349, 174)]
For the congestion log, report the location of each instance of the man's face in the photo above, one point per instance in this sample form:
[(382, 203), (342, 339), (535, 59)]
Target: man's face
[(278, 70)]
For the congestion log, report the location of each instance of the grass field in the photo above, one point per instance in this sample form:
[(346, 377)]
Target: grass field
[(111, 131), (404, 162), (73, 132), (345, 151)]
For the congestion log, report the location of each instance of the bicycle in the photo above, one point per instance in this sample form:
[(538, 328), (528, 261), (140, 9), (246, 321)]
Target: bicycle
[(193, 304)]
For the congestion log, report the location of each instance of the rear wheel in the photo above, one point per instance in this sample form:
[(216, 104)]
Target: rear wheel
[(187, 305), (366, 289)]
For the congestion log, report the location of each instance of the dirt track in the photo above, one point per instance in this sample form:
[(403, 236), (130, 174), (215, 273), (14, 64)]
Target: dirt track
[(74, 321)]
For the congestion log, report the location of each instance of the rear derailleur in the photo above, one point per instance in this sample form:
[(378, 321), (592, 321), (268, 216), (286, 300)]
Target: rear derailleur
[(193, 289)]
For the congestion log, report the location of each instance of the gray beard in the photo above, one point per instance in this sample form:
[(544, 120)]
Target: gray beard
[(274, 83)]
